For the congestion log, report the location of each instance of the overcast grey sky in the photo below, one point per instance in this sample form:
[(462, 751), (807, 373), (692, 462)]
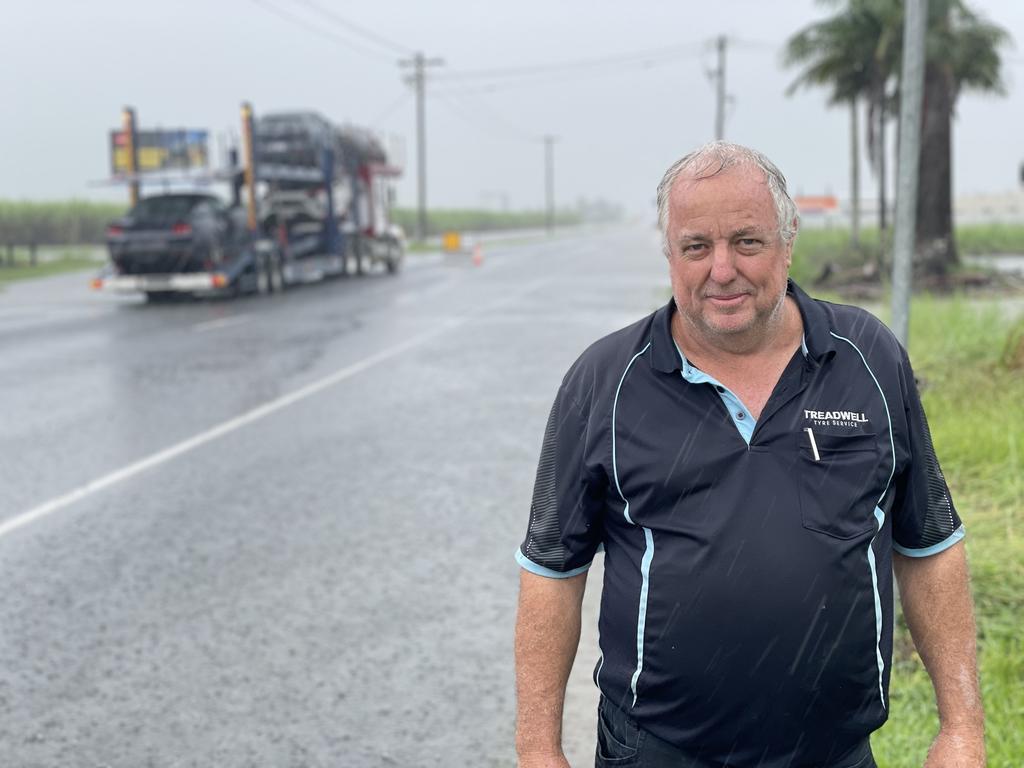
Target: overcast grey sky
[(69, 67)]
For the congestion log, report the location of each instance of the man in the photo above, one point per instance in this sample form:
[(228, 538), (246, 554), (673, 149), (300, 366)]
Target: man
[(755, 464)]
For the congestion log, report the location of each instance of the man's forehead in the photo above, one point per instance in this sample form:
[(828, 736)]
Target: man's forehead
[(745, 174), (736, 193)]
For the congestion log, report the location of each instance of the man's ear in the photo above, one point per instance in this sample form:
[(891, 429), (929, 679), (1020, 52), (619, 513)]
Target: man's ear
[(789, 248)]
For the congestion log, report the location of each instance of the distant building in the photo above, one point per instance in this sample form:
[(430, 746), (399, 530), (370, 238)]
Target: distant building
[(998, 208), (826, 211)]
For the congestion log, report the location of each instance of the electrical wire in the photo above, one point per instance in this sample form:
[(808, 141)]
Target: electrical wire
[(351, 26), (290, 17), (390, 109), (679, 50), (544, 79), (743, 46), (474, 118), (541, 79), (481, 106)]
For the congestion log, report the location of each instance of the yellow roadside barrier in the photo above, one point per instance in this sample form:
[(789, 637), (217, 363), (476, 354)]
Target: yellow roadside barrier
[(451, 242)]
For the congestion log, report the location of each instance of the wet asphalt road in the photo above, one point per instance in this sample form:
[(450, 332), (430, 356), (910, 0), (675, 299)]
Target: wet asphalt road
[(327, 580)]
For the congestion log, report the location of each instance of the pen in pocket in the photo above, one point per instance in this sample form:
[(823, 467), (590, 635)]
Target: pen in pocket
[(814, 445)]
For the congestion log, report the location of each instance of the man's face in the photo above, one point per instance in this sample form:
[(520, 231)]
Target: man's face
[(727, 261)]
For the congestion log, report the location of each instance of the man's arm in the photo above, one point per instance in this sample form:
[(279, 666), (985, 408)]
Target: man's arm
[(547, 635), (936, 598)]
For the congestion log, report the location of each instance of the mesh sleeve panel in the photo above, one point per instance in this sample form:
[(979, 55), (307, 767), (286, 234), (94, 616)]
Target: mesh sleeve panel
[(569, 493), (543, 543), (924, 513)]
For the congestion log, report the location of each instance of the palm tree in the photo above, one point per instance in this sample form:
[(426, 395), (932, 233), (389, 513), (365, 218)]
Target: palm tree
[(851, 53), (857, 53), (962, 53)]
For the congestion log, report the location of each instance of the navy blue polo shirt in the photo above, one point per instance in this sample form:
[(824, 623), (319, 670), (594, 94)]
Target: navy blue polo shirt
[(747, 611)]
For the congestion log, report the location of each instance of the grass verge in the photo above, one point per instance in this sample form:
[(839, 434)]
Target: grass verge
[(816, 247), (66, 260), (973, 391)]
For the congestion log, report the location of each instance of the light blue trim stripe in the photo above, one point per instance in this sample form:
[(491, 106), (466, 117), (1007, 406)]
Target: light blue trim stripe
[(880, 517), (888, 417), (641, 619), (615, 408), (540, 570), (934, 549), (803, 345), (645, 563)]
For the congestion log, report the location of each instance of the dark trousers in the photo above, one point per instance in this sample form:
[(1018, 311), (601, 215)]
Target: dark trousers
[(621, 743)]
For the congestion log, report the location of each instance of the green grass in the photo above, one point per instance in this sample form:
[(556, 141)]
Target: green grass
[(65, 260), (56, 222), (991, 238), (816, 247), (975, 404)]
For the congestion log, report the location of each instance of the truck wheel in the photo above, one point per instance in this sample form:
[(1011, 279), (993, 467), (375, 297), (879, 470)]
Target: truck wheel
[(394, 260)]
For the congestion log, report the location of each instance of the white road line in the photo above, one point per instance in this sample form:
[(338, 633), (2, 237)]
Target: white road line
[(221, 322), (162, 457)]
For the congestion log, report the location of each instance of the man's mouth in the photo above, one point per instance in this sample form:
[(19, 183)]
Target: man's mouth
[(727, 299)]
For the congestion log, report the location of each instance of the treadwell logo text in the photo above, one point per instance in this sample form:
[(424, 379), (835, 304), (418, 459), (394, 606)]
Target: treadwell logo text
[(836, 418)]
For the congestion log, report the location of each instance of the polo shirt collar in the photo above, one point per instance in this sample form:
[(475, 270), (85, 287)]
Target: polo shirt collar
[(818, 344)]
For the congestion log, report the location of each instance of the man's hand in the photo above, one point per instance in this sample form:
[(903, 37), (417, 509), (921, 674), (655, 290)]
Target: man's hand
[(957, 749)]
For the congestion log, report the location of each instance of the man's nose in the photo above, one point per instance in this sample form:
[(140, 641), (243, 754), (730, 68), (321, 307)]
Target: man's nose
[(723, 263)]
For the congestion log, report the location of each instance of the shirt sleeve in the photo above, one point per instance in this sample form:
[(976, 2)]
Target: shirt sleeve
[(564, 531), (925, 522)]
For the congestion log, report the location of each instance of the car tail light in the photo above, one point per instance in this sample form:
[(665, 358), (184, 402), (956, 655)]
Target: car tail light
[(181, 229), (115, 231), (220, 280), (97, 284)]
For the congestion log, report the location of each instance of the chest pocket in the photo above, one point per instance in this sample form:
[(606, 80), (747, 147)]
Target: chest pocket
[(837, 479)]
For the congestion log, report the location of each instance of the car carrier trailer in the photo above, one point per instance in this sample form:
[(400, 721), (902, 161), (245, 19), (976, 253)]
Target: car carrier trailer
[(310, 200)]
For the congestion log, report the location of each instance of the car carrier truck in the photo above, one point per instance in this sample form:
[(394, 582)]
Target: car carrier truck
[(309, 200)]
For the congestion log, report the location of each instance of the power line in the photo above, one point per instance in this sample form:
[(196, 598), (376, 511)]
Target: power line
[(544, 78), (673, 51), (742, 46), (390, 109), (368, 34), (477, 117), (290, 17)]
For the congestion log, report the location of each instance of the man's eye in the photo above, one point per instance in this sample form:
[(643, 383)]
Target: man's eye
[(693, 248), (749, 242)]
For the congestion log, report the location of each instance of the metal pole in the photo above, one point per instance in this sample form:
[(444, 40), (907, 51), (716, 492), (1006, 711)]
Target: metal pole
[(720, 98), (131, 138), (421, 152), (419, 63), (549, 182), (249, 153), (911, 96), (854, 174)]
